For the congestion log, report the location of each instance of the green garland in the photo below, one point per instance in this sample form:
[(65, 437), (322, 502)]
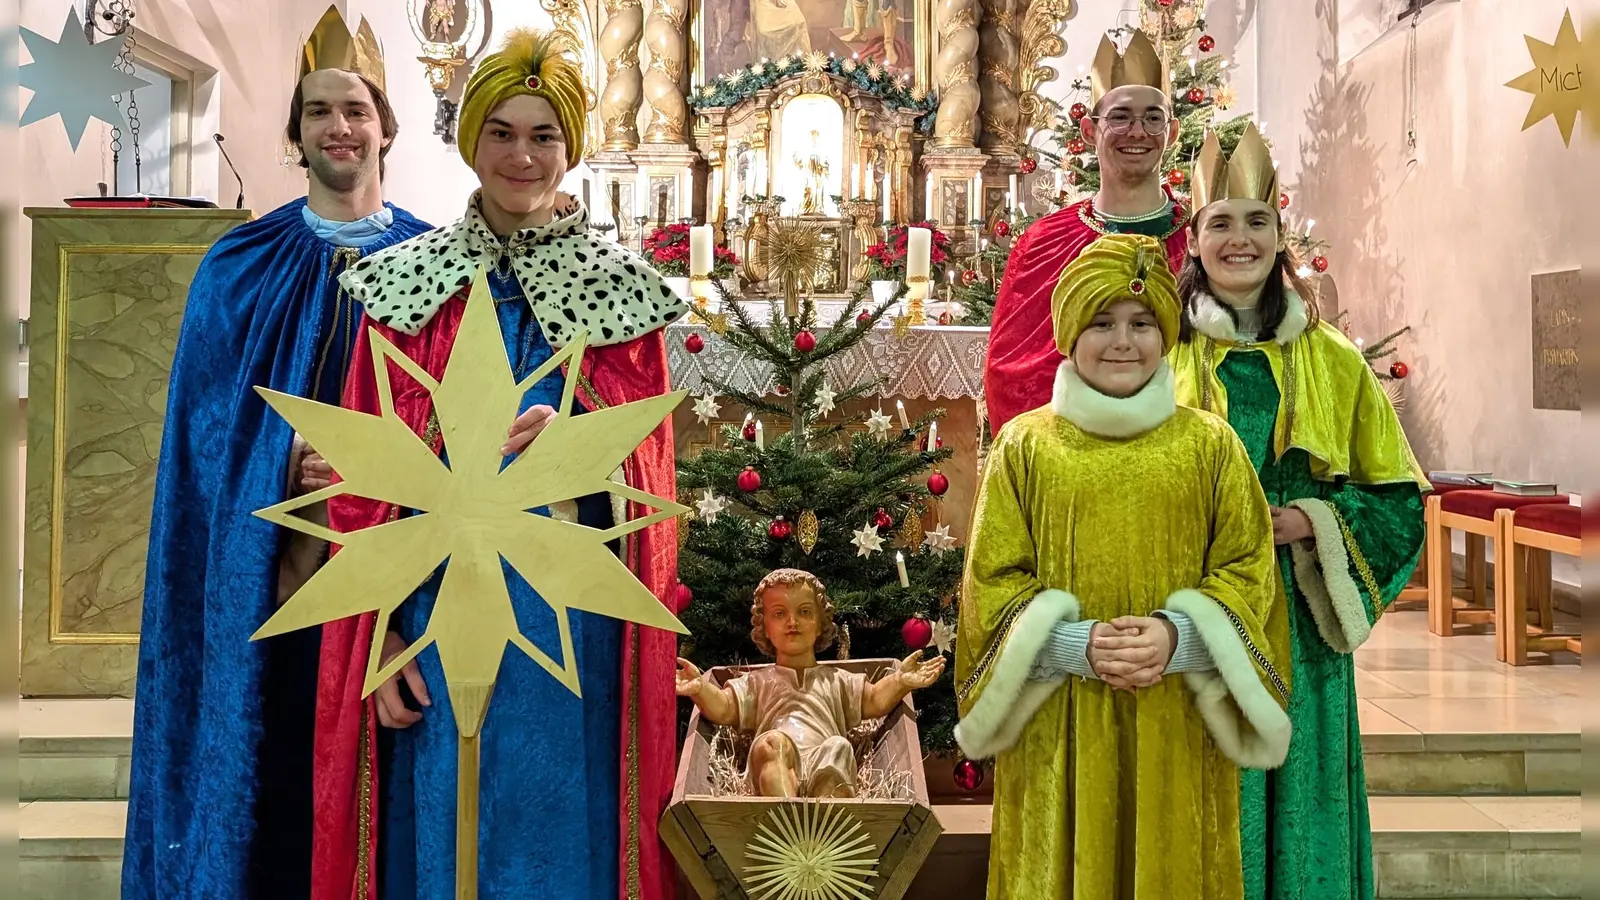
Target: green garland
[(742, 84)]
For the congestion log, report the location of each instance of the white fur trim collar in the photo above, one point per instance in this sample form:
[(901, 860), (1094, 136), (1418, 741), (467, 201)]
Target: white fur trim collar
[(1113, 417), (1212, 320), (573, 278)]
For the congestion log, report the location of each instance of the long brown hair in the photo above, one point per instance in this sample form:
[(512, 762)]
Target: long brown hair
[(1274, 303), (380, 103)]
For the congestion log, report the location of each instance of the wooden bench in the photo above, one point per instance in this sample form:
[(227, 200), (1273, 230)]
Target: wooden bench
[(1471, 511), (1526, 538), (1415, 594)]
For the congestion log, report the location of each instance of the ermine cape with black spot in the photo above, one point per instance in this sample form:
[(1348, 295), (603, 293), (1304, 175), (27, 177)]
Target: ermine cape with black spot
[(574, 279)]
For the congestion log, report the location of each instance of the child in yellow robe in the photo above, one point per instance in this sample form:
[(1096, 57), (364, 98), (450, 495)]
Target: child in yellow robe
[(1117, 538)]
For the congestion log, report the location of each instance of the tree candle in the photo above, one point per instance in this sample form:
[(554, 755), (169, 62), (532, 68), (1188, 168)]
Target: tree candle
[(900, 564), (901, 409)]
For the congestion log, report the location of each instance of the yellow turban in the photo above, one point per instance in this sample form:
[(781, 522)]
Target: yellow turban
[(1115, 267), (528, 63)]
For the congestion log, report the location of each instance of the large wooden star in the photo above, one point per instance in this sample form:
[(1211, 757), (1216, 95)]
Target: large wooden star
[(1555, 80), (472, 513)]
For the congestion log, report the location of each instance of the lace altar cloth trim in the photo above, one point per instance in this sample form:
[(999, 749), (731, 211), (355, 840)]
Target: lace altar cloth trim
[(930, 363)]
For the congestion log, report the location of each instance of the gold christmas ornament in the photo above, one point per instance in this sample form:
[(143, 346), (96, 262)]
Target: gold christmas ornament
[(1141, 63), (333, 45), (792, 254), (1555, 80), (911, 533), (807, 531), (808, 850), (1248, 174), (472, 514)]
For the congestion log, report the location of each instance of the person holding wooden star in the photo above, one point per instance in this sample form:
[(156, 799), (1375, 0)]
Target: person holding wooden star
[(801, 712), (1112, 780)]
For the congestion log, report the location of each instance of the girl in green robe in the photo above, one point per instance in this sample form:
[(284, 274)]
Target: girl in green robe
[(1346, 497)]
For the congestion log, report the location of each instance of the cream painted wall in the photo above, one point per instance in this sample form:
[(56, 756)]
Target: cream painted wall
[(250, 53)]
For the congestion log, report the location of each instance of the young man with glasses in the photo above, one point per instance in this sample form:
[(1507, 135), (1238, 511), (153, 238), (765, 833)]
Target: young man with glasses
[(1131, 125)]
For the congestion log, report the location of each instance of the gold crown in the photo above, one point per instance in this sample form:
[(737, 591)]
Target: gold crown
[(1141, 64), (1249, 174), (333, 45)]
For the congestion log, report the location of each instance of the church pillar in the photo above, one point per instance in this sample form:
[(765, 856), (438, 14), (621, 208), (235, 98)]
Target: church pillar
[(998, 54), (955, 73), (619, 47), (663, 80)]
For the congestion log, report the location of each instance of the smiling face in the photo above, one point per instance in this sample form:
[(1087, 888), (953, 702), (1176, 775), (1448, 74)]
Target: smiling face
[(792, 618), (341, 132), (1237, 244), (1127, 151), (1120, 350), (520, 161)]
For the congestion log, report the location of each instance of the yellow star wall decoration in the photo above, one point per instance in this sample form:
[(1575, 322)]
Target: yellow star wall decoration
[(1555, 81), (471, 514)]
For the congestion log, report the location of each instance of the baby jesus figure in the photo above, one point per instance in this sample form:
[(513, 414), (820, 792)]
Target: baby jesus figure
[(799, 711)]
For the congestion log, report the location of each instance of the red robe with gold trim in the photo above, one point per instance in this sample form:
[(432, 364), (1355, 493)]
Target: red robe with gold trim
[(1020, 370), (345, 854)]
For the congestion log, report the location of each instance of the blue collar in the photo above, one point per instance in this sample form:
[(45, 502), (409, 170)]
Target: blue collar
[(359, 233)]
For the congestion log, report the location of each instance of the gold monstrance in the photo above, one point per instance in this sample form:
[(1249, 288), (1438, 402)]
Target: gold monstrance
[(472, 514)]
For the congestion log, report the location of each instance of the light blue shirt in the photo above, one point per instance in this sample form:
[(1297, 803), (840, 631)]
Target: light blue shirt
[(359, 233)]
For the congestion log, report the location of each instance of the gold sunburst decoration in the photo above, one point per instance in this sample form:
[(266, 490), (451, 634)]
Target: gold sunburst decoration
[(810, 851), (816, 61), (1395, 393), (1555, 79), (874, 71), (850, 65), (792, 252)]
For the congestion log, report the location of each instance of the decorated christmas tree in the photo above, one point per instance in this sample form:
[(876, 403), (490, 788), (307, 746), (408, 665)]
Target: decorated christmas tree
[(800, 484)]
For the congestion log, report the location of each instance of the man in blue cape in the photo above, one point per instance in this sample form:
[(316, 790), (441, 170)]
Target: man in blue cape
[(221, 795)]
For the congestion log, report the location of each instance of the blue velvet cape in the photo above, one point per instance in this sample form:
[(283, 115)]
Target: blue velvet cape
[(220, 795), (550, 761)]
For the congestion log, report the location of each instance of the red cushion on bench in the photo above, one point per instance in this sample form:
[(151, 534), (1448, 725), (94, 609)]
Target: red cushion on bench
[(1482, 504), (1552, 518)]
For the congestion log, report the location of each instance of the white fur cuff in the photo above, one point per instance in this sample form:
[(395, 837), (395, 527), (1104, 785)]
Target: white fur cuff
[(1245, 718), (1009, 700), (1322, 572)]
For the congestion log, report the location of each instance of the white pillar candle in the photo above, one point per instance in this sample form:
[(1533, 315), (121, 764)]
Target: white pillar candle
[(761, 437), (700, 250), (900, 564), (919, 255), (978, 212), (883, 192), (641, 191), (927, 207), (1011, 189), (900, 407)]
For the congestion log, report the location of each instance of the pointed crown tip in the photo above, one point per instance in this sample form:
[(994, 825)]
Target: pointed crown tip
[(1247, 174), (333, 44), (1140, 64)]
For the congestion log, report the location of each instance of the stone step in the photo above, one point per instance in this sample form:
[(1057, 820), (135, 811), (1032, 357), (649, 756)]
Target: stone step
[(74, 749), (1438, 848)]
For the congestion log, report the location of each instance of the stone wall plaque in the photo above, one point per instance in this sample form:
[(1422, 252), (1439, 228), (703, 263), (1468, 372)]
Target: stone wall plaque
[(1555, 340)]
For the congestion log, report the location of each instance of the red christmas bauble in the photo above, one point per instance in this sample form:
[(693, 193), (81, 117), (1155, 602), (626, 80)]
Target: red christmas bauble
[(1196, 95), (1399, 370), (1078, 111), (749, 432), (970, 277), (968, 775), (1073, 178), (1320, 263), (917, 632), (945, 319), (1165, 2), (782, 390), (749, 480), (1077, 146), (694, 343), (882, 519), (1002, 228), (805, 342), (1029, 165), (938, 444), (1283, 200), (1176, 177), (780, 529), (938, 484), (864, 316), (1207, 43), (684, 596)]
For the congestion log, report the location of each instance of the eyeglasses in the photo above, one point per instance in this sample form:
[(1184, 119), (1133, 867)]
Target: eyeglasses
[(1154, 122)]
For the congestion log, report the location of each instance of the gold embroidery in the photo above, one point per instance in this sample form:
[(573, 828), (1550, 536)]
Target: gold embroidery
[(1003, 632), (364, 811), (1368, 580), (430, 434), (1288, 395), (1255, 652), (1207, 372), (1087, 216)]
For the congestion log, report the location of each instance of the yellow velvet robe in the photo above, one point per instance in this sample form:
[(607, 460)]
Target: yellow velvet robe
[(1096, 508)]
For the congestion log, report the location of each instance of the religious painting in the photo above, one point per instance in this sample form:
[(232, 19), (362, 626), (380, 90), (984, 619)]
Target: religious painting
[(733, 34), (1555, 340)]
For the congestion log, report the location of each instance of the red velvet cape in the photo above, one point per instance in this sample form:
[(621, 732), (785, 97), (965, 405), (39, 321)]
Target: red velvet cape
[(344, 857), (1020, 370)]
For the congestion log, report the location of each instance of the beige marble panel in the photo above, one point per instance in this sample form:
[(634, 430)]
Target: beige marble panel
[(108, 291)]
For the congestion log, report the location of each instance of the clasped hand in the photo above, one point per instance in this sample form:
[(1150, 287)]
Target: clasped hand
[(1131, 652)]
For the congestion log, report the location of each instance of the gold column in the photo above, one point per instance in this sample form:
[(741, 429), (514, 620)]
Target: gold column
[(955, 73), (663, 34), (998, 54), (619, 47)]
